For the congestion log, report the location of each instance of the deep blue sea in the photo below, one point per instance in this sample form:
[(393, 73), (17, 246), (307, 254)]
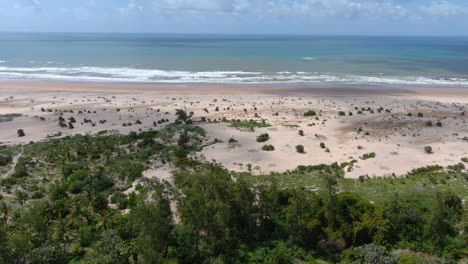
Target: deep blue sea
[(176, 58)]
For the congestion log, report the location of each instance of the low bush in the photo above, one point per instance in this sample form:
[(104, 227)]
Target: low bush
[(263, 137)]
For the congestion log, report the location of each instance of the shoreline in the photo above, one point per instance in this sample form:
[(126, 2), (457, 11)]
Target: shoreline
[(214, 88)]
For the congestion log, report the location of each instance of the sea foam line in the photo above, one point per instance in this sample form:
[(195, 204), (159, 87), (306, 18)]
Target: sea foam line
[(164, 76)]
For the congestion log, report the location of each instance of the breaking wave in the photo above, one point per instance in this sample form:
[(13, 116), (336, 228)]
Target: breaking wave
[(163, 76)]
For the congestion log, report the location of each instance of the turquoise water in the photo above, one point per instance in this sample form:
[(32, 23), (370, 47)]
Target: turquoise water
[(172, 58)]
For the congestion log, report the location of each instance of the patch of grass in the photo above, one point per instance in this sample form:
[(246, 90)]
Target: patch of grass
[(9, 117), (248, 125), (370, 155), (291, 126)]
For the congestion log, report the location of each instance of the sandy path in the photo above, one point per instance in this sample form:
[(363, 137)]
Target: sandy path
[(13, 165)]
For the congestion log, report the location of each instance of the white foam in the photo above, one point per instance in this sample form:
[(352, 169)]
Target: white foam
[(309, 58), (163, 76)]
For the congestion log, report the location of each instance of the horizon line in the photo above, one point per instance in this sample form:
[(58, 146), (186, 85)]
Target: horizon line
[(231, 34)]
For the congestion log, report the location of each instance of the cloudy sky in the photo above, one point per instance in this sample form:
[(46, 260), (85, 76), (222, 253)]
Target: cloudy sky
[(362, 17)]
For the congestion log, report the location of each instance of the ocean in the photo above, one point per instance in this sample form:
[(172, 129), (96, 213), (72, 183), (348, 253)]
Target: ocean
[(235, 59)]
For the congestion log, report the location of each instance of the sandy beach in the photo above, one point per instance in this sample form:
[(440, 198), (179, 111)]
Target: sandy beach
[(396, 125)]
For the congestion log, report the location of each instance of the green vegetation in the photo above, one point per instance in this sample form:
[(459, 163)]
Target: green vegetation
[(248, 125), (21, 133), (9, 117), (310, 113), (268, 148), (83, 199), (300, 149), (370, 155), (5, 159), (428, 149), (263, 137)]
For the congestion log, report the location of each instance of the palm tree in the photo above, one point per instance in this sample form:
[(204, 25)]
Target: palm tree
[(62, 232), (105, 221), (21, 197), (79, 213), (4, 211)]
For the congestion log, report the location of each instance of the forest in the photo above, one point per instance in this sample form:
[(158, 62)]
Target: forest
[(84, 199)]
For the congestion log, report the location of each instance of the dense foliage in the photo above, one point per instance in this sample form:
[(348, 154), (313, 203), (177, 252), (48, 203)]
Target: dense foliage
[(83, 199)]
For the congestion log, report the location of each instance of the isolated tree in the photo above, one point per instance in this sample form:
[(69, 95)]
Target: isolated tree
[(183, 117), (21, 133)]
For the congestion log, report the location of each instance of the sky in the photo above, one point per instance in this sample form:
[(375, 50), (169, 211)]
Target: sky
[(329, 17)]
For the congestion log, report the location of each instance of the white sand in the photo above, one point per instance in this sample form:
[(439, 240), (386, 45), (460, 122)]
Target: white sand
[(397, 139)]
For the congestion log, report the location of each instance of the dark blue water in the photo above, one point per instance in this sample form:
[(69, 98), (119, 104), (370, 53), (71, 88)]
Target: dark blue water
[(172, 58)]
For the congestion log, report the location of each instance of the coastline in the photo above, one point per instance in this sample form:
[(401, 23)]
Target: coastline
[(213, 88)]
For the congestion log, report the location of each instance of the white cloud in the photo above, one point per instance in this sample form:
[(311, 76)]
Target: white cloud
[(349, 9), (131, 8), (443, 9), (202, 6), (31, 6)]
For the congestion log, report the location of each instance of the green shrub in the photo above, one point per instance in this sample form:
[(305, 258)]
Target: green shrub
[(21, 133), (5, 160), (263, 137), (310, 113), (300, 148), (428, 149), (370, 155), (268, 148)]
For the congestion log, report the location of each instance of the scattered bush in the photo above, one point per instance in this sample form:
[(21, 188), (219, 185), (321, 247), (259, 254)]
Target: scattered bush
[(263, 137), (5, 160), (301, 133), (310, 113), (322, 145), (370, 155), (428, 149), (20, 133), (300, 149), (268, 148)]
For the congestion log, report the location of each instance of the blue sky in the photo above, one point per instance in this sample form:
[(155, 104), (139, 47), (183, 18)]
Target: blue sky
[(361, 17)]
